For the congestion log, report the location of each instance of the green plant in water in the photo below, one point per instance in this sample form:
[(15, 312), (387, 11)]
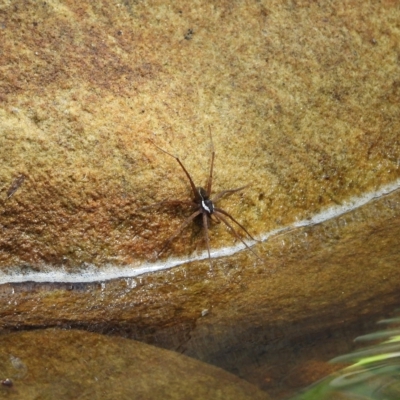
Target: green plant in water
[(374, 373)]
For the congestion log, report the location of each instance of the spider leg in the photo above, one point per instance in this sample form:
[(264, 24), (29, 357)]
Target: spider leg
[(215, 219), (205, 227), (209, 182), (192, 185), (223, 219), (169, 203), (179, 230), (219, 195), (220, 211)]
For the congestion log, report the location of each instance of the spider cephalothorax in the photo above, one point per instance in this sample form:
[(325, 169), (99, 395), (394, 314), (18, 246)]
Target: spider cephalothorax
[(204, 206), (204, 201)]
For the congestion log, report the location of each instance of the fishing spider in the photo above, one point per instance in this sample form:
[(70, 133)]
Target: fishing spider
[(205, 206)]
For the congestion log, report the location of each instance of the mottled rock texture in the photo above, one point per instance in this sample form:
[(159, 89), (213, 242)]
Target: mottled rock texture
[(57, 364), (301, 96)]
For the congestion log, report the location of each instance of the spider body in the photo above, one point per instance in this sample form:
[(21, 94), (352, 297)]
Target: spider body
[(204, 201), (204, 208)]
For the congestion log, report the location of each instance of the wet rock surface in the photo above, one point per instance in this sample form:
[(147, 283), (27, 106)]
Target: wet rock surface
[(59, 364)]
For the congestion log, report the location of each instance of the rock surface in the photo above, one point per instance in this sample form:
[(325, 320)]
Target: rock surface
[(58, 364), (316, 279), (302, 100)]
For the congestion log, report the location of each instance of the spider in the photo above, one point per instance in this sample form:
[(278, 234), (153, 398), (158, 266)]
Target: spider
[(204, 206)]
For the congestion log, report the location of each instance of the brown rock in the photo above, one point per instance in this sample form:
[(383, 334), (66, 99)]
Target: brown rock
[(316, 279), (58, 364), (301, 98)]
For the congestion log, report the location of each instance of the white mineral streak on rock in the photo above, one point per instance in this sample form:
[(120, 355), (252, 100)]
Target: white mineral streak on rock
[(92, 273)]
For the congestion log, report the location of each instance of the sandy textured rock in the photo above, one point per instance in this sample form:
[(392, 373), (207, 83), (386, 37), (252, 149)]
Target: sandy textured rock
[(302, 98), (57, 364)]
